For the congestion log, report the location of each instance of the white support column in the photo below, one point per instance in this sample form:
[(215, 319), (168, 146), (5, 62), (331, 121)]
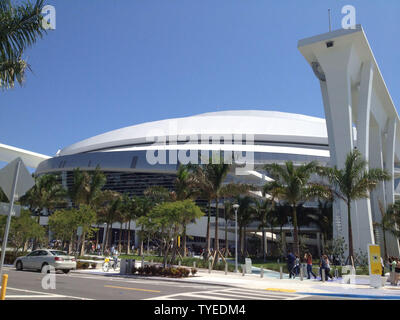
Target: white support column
[(390, 142), (376, 161), (338, 109), (364, 232)]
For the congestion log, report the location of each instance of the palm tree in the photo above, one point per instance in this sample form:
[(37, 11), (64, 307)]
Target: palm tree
[(85, 189), (108, 203), (132, 207), (45, 195), (353, 182), (388, 222), (261, 209), (244, 216), (209, 180), (184, 189), (292, 184), (20, 27), (228, 215)]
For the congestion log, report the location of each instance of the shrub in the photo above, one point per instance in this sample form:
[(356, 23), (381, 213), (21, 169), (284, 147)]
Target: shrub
[(193, 271), (94, 265)]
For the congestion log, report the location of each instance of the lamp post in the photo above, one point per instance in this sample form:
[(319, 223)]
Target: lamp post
[(236, 207)]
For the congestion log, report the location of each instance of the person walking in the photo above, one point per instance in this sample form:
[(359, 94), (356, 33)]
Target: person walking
[(290, 264), (296, 268), (328, 267), (308, 258), (396, 271)]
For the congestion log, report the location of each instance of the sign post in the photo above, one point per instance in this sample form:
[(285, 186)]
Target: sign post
[(21, 183), (375, 266)]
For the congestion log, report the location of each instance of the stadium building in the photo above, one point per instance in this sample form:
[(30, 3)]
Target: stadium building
[(136, 157)]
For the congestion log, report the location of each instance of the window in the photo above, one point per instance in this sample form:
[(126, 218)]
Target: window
[(34, 253), (58, 253)]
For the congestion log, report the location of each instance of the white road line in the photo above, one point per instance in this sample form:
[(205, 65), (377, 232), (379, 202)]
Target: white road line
[(47, 294), (206, 296), (231, 294), (149, 281), (241, 295), (270, 295)]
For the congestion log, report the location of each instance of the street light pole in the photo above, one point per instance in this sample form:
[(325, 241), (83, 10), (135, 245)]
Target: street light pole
[(236, 207)]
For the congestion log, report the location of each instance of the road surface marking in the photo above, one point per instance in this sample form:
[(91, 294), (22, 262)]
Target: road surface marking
[(230, 294), (281, 290), (128, 288), (46, 294)]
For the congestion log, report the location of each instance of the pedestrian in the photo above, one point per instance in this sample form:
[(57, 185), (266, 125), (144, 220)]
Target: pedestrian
[(308, 258), (290, 264), (325, 267), (296, 268), (396, 271)]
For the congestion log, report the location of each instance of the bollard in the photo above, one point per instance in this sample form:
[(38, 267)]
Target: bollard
[(209, 267), (4, 287), (301, 273), (194, 264), (226, 268), (179, 263), (142, 261), (151, 261), (336, 273), (262, 272), (323, 275), (280, 272), (243, 269)]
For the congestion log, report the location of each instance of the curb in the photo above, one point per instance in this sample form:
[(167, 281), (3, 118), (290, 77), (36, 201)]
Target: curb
[(349, 295)]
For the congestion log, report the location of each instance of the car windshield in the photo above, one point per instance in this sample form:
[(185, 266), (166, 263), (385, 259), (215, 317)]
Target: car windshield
[(58, 253)]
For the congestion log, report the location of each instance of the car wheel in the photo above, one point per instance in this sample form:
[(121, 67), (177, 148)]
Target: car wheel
[(66, 271), (19, 266), (44, 267)]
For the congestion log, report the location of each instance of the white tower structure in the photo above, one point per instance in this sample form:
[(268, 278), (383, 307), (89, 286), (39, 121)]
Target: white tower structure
[(359, 114)]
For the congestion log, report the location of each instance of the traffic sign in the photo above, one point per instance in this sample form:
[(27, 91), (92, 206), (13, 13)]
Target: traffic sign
[(25, 180)]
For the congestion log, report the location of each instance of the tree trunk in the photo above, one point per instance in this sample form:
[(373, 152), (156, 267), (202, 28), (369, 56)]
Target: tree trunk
[(208, 231), (263, 242), (216, 226), (226, 236), (83, 243), (245, 240), (384, 242), (120, 238), (351, 250), (295, 232), (128, 251), (184, 240), (240, 249)]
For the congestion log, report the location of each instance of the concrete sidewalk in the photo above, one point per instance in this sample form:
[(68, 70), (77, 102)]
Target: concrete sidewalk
[(334, 288)]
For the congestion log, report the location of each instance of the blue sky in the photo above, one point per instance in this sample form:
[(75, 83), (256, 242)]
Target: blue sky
[(111, 64)]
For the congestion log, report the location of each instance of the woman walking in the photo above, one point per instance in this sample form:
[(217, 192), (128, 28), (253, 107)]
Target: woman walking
[(308, 258)]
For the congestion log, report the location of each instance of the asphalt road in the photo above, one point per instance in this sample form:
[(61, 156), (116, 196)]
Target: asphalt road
[(27, 285)]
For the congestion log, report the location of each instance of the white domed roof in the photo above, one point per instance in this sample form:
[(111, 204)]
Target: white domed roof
[(264, 126)]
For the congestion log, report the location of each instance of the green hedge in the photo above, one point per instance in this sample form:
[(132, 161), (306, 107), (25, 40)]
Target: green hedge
[(11, 256)]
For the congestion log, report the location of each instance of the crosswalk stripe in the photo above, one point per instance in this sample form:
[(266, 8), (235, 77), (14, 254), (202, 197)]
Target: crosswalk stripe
[(240, 296), (207, 296), (255, 293)]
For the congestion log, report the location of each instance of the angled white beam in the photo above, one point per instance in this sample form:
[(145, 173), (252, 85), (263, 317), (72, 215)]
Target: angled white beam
[(31, 159)]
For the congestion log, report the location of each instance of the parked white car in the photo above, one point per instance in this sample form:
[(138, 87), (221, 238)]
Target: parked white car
[(39, 259)]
